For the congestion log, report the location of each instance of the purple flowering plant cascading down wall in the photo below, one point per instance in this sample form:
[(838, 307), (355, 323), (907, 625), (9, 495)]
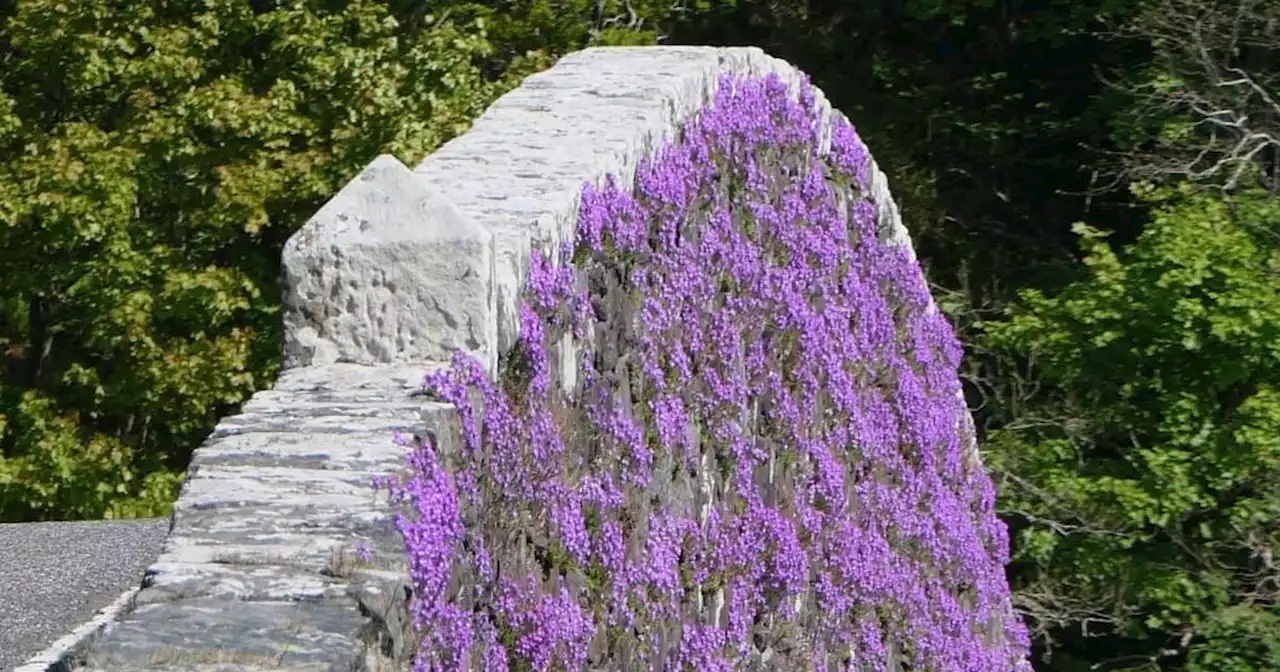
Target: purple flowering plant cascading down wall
[(761, 458)]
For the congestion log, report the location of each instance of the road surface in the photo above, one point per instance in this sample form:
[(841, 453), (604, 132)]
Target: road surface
[(54, 577)]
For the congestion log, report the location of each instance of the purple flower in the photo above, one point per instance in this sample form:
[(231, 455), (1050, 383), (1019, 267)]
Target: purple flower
[(764, 442)]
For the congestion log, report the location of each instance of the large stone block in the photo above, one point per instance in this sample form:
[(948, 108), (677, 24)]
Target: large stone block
[(388, 271)]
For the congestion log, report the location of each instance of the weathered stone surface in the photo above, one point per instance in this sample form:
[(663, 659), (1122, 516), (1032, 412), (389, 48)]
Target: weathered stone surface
[(521, 168), (198, 631), (388, 271), (274, 505)]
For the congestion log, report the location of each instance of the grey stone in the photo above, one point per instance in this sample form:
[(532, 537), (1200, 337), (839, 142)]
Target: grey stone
[(386, 604), (183, 634), (388, 271)]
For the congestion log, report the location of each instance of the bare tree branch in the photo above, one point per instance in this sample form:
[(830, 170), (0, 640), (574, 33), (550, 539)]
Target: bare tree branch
[(1210, 99)]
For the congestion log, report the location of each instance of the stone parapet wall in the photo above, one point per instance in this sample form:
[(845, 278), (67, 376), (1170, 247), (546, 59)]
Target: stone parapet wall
[(260, 570), (399, 271)]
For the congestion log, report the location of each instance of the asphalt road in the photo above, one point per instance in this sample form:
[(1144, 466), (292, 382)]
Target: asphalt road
[(55, 576)]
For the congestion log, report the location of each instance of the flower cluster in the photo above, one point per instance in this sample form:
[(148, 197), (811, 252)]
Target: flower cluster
[(762, 455)]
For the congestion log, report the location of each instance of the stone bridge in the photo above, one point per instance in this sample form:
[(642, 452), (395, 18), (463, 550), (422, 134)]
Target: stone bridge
[(265, 565)]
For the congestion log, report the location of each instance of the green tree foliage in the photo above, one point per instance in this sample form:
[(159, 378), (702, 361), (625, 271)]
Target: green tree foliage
[(1143, 478), (154, 156)]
